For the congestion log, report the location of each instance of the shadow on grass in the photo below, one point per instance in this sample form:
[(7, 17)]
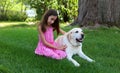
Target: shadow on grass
[(4, 69), (19, 25)]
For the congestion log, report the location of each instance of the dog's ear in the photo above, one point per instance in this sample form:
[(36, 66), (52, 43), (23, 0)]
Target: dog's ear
[(69, 35)]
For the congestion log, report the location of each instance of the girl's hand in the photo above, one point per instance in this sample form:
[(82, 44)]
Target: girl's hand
[(63, 47)]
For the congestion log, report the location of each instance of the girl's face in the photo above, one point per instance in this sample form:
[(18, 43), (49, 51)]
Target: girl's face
[(51, 19)]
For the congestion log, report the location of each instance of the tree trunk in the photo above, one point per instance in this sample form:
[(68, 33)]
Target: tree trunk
[(109, 12), (87, 12), (91, 12)]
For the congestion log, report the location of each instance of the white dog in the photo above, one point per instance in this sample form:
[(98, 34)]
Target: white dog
[(73, 40)]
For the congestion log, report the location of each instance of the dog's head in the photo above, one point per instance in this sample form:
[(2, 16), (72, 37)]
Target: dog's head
[(76, 36)]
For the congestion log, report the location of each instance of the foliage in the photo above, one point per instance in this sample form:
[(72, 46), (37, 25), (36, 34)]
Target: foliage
[(5, 5), (12, 10), (41, 6), (66, 8), (16, 16)]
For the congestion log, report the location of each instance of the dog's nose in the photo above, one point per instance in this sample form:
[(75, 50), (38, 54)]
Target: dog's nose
[(82, 35)]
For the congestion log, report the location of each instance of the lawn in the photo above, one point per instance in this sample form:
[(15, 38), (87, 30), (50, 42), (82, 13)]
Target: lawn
[(17, 45)]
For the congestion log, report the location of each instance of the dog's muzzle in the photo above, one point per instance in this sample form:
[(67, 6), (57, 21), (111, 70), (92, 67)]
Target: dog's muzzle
[(80, 39)]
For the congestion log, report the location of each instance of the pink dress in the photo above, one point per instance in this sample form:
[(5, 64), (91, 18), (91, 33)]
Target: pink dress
[(46, 51)]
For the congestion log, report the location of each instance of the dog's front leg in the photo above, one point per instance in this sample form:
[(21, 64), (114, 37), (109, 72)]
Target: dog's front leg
[(81, 54), (69, 57)]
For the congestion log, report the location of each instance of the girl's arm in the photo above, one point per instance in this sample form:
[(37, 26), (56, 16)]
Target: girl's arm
[(62, 31)]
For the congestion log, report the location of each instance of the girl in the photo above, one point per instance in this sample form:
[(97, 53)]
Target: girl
[(46, 45)]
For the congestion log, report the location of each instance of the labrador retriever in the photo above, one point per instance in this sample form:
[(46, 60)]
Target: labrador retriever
[(73, 40)]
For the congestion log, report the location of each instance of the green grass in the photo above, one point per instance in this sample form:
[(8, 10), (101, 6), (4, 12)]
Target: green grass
[(17, 47)]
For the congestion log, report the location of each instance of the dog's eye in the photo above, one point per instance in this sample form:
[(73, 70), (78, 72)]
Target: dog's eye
[(76, 32)]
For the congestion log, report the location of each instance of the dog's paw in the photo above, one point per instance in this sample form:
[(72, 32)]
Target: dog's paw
[(77, 64), (91, 60)]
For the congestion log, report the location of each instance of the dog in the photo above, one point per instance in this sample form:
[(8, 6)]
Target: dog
[(73, 40)]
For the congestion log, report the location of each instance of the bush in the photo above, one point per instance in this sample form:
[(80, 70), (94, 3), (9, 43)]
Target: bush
[(17, 16), (13, 16), (31, 19)]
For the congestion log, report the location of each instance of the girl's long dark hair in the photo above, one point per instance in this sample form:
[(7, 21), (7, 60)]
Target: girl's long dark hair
[(43, 22)]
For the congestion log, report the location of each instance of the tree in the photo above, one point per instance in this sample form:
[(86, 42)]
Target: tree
[(109, 12), (92, 12)]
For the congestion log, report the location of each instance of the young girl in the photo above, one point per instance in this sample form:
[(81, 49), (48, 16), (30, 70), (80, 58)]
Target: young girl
[(46, 45)]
